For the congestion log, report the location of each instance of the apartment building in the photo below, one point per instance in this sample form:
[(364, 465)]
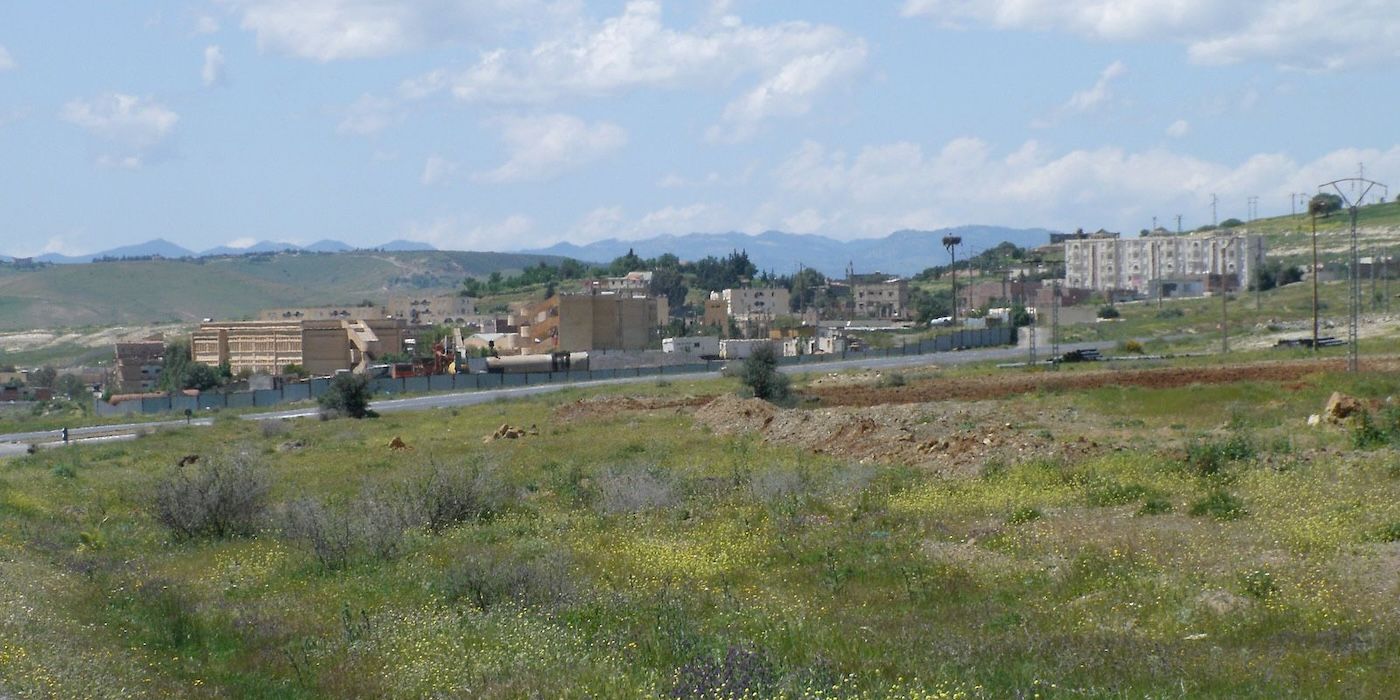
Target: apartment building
[(1133, 264)]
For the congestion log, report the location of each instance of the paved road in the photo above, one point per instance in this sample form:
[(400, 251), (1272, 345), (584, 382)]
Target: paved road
[(17, 443)]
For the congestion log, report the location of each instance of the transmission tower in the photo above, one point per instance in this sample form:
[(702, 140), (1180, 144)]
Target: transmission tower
[(1353, 204)]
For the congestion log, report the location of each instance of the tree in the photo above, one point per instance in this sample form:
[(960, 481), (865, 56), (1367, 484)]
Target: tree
[(670, 283), (72, 386), (1231, 223), (177, 361), (198, 375), (347, 395), (296, 370), (760, 374), (1325, 204), (43, 377), (625, 264), (1108, 311)]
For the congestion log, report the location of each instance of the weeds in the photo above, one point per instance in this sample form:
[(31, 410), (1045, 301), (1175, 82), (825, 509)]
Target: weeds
[(1023, 515), (1219, 504), (1211, 457), (220, 496), (487, 578), (631, 491)]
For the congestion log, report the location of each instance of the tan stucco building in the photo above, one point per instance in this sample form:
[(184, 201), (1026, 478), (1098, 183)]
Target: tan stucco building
[(322, 347)]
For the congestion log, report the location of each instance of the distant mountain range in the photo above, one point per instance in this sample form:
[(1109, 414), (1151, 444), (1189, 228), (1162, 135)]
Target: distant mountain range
[(166, 249), (901, 253)]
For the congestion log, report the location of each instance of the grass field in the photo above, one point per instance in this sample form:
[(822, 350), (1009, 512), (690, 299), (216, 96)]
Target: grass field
[(1207, 546)]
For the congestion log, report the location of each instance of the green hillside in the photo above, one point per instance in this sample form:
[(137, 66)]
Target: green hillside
[(150, 291)]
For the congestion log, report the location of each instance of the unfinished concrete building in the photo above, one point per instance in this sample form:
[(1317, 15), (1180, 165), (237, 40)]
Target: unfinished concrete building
[(321, 347), (138, 366), (880, 296), (583, 322)]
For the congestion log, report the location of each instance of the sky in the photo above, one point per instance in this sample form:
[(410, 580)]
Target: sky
[(514, 124)]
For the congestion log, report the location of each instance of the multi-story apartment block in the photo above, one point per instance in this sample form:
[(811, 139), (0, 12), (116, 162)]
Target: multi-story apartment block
[(1106, 264)]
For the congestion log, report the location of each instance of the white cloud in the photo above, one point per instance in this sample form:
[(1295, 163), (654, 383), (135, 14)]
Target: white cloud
[(437, 169), (245, 242), (213, 70), (7, 62), (1101, 92), (888, 186), (673, 219), (793, 62), (206, 25), (368, 115), (130, 128), (1179, 129), (331, 30), (1310, 34), (543, 147), (466, 232)]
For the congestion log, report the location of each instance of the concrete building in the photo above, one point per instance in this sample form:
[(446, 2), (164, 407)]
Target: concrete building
[(138, 366), (716, 313), (322, 313), (1108, 264), (756, 304), (637, 283), (583, 322), (450, 309), (880, 296), (322, 347), (702, 346)]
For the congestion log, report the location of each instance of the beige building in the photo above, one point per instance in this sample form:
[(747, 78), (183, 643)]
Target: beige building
[(751, 304), (1105, 264), (878, 296), (322, 313), (582, 322), (636, 283), (323, 347), (432, 310)]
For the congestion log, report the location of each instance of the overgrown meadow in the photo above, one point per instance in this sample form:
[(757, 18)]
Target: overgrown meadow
[(1216, 547)]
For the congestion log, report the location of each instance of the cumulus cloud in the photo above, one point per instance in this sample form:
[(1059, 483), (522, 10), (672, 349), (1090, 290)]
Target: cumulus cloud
[(466, 232), (1179, 129), (129, 129), (1089, 99), (883, 187), (213, 70), (437, 170), (793, 62), (543, 147), (1309, 34), (332, 30), (7, 62)]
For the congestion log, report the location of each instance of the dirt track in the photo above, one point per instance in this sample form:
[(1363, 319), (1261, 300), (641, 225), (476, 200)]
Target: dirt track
[(1012, 384)]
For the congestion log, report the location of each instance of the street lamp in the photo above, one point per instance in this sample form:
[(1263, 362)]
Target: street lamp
[(951, 242)]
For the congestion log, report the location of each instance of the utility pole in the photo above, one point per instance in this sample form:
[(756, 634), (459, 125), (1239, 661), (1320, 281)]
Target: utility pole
[(1055, 325), (1353, 330), (951, 243), (1224, 318), (1213, 201), (1178, 224), (1312, 209)]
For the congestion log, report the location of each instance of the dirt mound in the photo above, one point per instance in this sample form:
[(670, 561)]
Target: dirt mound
[(728, 414), (1013, 384), (956, 440), (604, 406)]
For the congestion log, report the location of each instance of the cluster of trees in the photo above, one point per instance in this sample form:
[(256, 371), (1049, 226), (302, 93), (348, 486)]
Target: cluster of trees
[(47, 377), (180, 371), (999, 256)]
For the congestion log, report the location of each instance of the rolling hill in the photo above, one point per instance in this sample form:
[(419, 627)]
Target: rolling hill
[(152, 291)]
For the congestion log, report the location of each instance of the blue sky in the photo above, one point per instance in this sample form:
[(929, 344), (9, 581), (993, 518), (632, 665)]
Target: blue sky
[(509, 124)]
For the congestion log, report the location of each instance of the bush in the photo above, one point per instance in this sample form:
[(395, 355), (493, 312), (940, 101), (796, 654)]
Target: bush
[(273, 428), (890, 380), (444, 498), (370, 528), (348, 395), (1258, 584), (1221, 505), (760, 374), (1133, 347), (1155, 505), (1209, 458), (1165, 314), (740, 673), (486, 579), (1112, 493), (220, 496), (1108, 311), (625, 492)]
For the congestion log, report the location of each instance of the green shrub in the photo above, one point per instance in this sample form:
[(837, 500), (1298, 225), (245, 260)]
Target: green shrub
[(1022, 515), (485, 579), (760, 374), (1210, 457), (1389, 532), (1108, 311), (1112, 493), (1165, 314), (890, 380), (347, 395), (1258, 584), (1155, 505), (1219, 504), (1131, 346)]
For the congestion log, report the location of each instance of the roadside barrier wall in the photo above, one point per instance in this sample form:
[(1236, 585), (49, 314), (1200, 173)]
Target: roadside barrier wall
[(304, 391)]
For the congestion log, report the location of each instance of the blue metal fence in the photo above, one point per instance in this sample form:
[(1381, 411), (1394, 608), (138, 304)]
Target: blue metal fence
[(984, 337)]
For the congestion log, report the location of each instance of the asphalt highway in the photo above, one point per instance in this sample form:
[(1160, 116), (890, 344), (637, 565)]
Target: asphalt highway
[(17, 443)]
